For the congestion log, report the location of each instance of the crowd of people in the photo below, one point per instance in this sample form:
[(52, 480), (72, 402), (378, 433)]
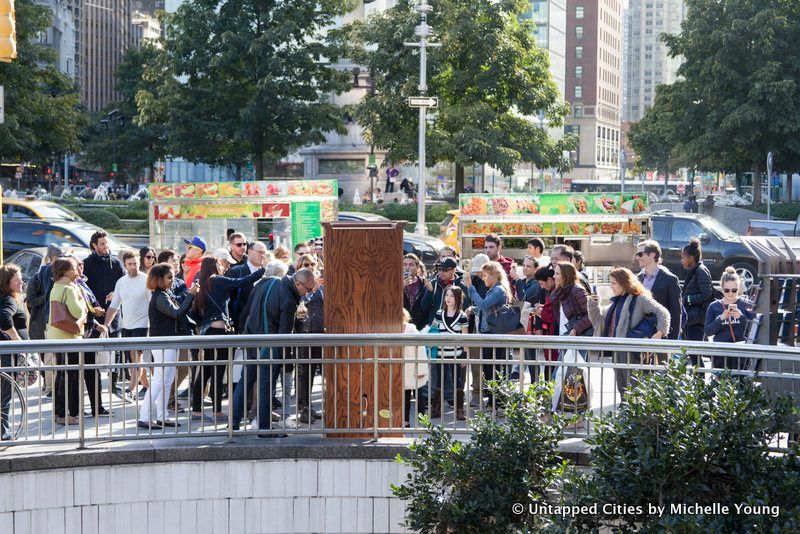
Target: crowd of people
[(246, 288)]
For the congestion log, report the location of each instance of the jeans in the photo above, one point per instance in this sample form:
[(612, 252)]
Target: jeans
[(160, 385), (267, 377), (208, 372), (443, 374)]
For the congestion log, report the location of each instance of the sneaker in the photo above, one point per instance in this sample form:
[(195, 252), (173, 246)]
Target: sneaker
[(304, 417), (276, 403), (183, 394), (316, 415), (203, 417), (67, 420), (219, 419), (168, 422), (180, 408)]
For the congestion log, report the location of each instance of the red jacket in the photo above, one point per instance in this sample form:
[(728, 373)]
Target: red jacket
[(194, 268)]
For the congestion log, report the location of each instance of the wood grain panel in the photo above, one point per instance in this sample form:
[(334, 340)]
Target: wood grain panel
[(363, 294)]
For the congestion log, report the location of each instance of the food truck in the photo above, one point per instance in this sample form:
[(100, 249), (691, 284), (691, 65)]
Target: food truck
[(289, 210), (606, 227)]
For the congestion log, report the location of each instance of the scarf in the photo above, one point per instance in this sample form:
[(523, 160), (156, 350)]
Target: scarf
[(612, 316)]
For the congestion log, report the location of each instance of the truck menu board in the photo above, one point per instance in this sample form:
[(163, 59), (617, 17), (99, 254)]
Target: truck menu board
[(553, 204), (244, 190)]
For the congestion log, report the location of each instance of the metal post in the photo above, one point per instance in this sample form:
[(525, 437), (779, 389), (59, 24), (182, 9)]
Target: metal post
[(622, 169), (66, 171), (770, 162)]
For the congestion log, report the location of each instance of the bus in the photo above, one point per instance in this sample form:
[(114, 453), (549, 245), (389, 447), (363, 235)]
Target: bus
[(632, 185)]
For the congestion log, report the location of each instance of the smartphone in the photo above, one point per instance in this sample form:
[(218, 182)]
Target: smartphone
[(406, 274), (594, 290)]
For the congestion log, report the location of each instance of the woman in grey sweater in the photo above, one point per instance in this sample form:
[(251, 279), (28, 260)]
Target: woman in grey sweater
[(630, 305)]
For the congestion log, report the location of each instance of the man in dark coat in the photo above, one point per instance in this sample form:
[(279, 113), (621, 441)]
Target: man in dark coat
[(255, 260), (662, 284), (271, 309)]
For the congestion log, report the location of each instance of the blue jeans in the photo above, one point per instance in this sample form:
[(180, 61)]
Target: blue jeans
[(267, 376), (442, 376)]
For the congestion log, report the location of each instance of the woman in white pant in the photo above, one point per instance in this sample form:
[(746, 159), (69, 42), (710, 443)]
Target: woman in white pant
[(164, 312)]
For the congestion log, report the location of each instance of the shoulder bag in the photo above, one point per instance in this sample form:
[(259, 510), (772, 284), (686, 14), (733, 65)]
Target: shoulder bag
[(504, 319), (646, 328), (61, 318)]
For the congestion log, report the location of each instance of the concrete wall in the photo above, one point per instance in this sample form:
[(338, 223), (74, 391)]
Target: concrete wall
[(241, 496)]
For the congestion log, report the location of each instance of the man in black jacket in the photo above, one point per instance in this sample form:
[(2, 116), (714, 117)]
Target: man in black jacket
[(271, 309), (255, 260), (434, 289), (102, 270), (663, 285)]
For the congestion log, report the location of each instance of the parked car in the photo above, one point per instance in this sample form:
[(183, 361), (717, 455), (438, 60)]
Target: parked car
[(425, 247), (22, 234), (15, 208), (761, 227), (30, 260), (722, 247)]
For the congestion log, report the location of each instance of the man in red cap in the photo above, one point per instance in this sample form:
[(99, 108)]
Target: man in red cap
[(195, 248)]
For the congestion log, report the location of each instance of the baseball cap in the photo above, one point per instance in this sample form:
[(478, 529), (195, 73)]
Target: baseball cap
[(447, 264), (478, 262), (196, 241), (223, 254)]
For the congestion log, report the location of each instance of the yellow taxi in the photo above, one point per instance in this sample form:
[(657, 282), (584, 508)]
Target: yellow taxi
[(449, 230), (17, 208)]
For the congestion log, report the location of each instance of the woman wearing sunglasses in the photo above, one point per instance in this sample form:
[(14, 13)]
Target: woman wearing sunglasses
[(147, 258), (727, 318)]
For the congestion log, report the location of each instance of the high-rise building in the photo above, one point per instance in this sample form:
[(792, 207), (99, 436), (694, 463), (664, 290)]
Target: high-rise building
[(144, 27), (61, 36), (647, 63), (105, 34), (550, 18), (594, 85)]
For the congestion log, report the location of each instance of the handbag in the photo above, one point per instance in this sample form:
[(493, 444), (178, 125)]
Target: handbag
[(61, 318), (589, 332), (104, 357), (646, 328), (433, 352), (504, 319)]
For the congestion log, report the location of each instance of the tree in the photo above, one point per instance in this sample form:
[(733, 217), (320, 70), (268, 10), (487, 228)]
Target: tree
[(489, 76), (738, 90), (43, 116), (135, 146), (247, 79)]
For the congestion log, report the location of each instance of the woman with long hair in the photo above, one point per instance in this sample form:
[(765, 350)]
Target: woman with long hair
[(14, 324), (498, 293), (450, 377), (698, 292), (147, 258), (65, 291), (165, 312), (211, 304), (413, 287), (569, 300), (630, 305), (726, 319)]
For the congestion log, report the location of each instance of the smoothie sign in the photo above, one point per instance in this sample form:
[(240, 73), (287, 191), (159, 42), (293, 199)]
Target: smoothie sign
[(553, 204)]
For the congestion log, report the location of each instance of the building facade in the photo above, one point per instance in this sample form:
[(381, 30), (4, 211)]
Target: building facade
[(61, 36), (594, 85), (647, 63), (105, 35), (144, 27)]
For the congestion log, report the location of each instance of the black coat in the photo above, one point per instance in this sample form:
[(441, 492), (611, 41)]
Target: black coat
[(281, 307), (698, 292), (419, 317), (102, 273), (667, 292), (165, 313), (240, 296)]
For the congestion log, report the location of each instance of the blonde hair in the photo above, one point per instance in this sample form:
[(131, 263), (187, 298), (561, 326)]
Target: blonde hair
[(493, 268), (730, 275)]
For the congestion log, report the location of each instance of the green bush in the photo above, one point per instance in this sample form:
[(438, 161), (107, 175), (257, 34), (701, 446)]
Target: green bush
[(472, 487), (105, 219), (679, 440), (787, 211), (434, 213)]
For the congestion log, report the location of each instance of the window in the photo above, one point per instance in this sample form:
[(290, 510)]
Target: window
[(579, 32), (578, 91), (578, 52), (20, 212), (342, 166), (684, 229), (578, 12), (578, 111), (578, 71)]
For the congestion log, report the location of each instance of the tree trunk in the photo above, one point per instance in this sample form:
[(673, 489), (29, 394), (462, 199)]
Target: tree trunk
[(789, 187), (756, 184), (258, 162), (459, 180), (666, 179), (238, 172)]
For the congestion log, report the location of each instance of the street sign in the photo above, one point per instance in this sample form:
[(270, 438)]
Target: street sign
[(423, 101), (681, 189)]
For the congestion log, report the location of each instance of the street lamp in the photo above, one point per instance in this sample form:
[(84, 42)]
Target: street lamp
[(623, 157), (113, 119)]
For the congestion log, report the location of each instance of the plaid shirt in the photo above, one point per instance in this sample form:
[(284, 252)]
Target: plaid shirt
[(573, 301)]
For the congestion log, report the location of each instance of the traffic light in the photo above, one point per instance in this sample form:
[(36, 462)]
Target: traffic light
[(8, 33)]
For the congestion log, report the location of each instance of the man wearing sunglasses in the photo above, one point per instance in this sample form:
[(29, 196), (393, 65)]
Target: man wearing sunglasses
[(271, 309), (661, 283), (195, 248), (238, 248)]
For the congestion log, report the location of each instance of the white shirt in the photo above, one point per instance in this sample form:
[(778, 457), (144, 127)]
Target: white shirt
[(132, 299), (543, 261), (252, 267)]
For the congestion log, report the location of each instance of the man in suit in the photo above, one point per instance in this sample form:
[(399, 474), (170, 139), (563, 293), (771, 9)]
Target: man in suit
[(256, 258), (661, 283)]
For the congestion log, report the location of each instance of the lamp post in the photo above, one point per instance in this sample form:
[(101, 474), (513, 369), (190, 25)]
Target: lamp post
[(113, 119), (622, 161), (423, 31), (770, 162)]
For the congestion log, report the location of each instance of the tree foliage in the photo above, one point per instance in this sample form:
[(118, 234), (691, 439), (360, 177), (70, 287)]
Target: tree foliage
[(677, 439), (489, 76), (737, 96), (43, 117), (134, 145), (243, 79)]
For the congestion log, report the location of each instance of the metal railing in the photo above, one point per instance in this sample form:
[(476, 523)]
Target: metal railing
[(361, 387)]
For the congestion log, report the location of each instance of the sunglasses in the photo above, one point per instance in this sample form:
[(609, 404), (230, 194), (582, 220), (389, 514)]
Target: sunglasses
[(729, 290), (239, 244), (149, 257), (309, 265)]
